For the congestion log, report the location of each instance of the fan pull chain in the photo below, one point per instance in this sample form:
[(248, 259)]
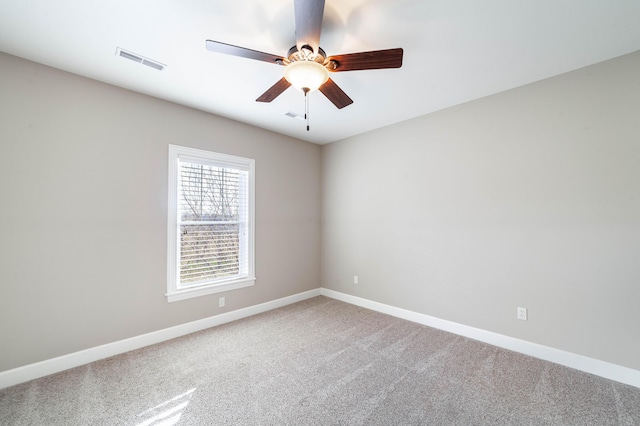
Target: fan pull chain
[(306, 105)]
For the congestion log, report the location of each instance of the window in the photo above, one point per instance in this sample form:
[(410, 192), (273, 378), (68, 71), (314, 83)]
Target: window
[(210, 223)]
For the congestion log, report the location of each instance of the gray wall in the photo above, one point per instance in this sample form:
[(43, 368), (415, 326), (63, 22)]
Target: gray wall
[(527, 198), (83, 195)]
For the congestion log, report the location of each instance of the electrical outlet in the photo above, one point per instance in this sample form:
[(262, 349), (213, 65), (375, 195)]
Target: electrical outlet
[(355, 279), (522, 313), (221, 302)]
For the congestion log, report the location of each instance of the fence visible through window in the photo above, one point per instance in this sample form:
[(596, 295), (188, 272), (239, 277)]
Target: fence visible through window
[(208, 250)]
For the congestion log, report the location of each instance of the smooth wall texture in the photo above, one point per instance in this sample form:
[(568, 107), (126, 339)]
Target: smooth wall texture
[(83, 195), (528, 198)]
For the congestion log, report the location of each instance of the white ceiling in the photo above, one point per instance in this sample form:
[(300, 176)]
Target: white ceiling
[(454, 51)]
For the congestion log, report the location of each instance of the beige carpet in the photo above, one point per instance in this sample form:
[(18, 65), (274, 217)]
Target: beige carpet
[(321, 362)]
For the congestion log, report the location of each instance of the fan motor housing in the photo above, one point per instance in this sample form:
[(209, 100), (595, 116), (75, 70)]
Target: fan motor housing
[(306, 54)]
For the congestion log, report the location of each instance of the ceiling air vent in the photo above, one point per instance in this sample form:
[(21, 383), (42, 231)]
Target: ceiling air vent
[(139, 59), (295, 115)]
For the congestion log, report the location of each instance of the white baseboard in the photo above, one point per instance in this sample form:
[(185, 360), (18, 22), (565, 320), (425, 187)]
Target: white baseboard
[(76, 359), (579, 362)]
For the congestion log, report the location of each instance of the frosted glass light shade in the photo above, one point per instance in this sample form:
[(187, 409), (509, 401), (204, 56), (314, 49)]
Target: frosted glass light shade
[(306, 75)]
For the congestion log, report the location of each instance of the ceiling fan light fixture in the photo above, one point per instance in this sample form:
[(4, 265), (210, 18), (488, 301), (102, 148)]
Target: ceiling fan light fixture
[(309, 75)]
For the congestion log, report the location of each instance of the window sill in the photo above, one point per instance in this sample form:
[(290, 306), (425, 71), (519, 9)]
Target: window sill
[(192, 292)]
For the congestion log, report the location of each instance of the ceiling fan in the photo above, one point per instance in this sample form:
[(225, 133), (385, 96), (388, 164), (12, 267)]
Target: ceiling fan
[(307, 66)]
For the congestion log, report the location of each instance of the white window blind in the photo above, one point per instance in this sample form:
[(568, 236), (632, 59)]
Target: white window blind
[(213, 247), (213, 222)]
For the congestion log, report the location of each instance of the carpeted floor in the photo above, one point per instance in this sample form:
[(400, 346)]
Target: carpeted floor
[(321, 362)]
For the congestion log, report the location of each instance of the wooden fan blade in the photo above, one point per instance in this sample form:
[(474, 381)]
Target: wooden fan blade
[(374, 60), (274, 91), (335, 94), (308, 15), (243, 52)]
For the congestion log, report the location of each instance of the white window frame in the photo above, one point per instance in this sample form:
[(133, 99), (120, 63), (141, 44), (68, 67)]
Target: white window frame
[(176, 292)]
